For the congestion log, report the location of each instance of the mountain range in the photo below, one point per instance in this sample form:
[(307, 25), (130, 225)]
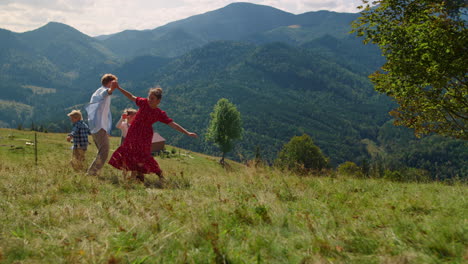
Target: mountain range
[(237, 22), (287, 74)]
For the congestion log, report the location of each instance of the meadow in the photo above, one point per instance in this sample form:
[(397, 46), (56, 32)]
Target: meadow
[(208, 214)]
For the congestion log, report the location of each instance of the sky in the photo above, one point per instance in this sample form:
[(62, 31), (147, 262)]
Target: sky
[(101, 17)]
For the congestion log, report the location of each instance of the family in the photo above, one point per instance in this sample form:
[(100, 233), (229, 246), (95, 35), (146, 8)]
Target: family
[(134, 153)]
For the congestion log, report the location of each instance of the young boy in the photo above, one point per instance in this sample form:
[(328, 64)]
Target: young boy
[(79, 134)]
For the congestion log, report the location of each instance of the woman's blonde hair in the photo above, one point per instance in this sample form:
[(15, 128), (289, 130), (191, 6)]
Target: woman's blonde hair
[(156, 91)]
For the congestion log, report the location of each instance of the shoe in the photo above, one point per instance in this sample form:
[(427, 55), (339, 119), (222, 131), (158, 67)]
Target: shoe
[(140, 177)]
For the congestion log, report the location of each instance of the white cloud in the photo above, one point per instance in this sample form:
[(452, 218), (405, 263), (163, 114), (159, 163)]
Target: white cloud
[(96, 17)]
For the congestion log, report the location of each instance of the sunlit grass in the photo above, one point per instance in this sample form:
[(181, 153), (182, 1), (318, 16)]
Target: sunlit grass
[(207, 214)]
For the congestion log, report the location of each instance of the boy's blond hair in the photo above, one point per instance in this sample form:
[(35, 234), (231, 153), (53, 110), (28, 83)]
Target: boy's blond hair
[(106, 78), (76, 114)]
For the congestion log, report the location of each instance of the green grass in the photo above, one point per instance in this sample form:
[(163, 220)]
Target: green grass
[(207, 214)]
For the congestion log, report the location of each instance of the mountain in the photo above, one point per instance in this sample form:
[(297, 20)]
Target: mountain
[(21, 64), (22, 73), (287, 74), (237, 21), (283, 91), (40, 66), (306, 27), (67, 48), (280, 90), (50, 56), (349, 51)]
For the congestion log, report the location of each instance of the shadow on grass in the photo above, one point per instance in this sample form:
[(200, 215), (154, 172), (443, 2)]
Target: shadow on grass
[(173, 181)]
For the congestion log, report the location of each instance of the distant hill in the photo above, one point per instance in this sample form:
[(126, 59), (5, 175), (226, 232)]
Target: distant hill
[(237, 21), (53, 57), (66, 47), (307, 27), (280, 90), (19, 64)]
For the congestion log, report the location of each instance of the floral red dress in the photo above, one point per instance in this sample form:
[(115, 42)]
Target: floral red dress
[(135, 153)]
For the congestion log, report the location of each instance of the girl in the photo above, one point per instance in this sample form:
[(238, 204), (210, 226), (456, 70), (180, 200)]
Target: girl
[(125, 121), (135, 153)]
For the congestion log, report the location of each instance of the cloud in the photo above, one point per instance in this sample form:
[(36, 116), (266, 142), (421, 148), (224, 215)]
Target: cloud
[(96, 17)]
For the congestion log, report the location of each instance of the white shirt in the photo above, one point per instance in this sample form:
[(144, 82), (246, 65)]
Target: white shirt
[(99, 114), (123, 125)]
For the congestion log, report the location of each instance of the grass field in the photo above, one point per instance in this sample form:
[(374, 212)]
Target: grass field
[(207, 214)]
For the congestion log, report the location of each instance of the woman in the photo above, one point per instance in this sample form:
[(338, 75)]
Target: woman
[(135, 153)]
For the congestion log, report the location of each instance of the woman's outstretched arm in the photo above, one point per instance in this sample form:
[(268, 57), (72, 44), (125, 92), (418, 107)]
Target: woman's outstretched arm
[(124, 92), (182, 130)]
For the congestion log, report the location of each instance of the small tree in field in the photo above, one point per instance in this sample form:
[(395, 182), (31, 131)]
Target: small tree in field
[(300, 154), (225, 126)]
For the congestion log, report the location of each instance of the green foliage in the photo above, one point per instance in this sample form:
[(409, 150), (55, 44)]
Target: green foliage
[(424, 43), (300, 154), (16, 113), (349, 168), (434, 153), (225, 126), (407, 175)]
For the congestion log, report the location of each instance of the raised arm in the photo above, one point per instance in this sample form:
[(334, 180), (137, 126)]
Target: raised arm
[(120, 123), (124, 92), (179, 128)]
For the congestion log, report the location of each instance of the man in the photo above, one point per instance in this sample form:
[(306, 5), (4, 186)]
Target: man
[(100, 120)]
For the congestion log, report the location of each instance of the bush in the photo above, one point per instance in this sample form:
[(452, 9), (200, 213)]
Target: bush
[(349, 168), (301, 155), (408, 175)]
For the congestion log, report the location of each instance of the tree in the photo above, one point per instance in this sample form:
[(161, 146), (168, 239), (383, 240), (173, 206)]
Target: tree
[(225, 126), (349, 168), (301, 155), (425, 45), (365, 167)]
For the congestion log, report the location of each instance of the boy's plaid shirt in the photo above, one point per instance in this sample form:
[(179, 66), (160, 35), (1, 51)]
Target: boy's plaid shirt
[(80, 132)]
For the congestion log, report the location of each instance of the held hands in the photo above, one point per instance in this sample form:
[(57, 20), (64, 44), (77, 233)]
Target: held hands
[(114, 85)]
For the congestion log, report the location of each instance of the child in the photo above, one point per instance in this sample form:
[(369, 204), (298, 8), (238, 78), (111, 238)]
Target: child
[(100, 121), (135, 153), (125, 121), (79, 133)]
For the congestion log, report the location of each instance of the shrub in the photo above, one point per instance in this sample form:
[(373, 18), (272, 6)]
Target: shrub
[(349, 168), (301, 155), (407, 175)]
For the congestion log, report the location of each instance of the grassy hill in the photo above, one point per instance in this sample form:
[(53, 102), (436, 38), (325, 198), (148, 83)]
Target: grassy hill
[(206, 214)]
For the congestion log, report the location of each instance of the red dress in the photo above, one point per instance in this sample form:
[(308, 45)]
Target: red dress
[(135, 153)]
